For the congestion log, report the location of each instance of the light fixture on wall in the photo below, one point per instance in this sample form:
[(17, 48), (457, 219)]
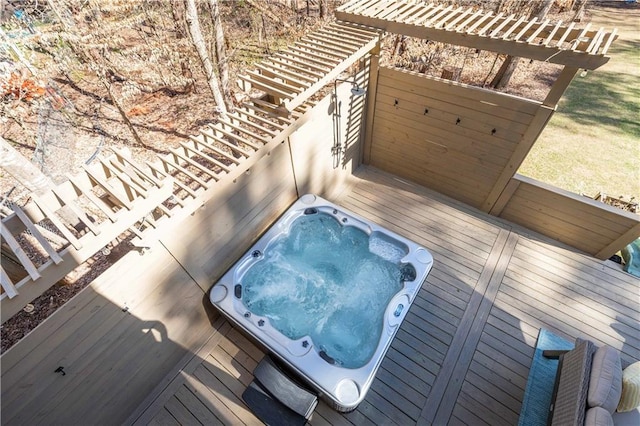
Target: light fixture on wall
[(356, 91)]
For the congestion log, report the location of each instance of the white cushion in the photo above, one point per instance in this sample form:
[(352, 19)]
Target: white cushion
[(605, 383), (598, 416)]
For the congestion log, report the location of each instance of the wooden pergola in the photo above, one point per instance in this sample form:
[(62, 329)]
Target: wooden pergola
[(512, 35), (292, 76)]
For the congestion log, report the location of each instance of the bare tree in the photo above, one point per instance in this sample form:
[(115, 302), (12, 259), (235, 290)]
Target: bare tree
[(323, 8), (177, 10), (580, 4), (544, 9), (193, 23), (264, 10), (106, 82), (104, 74), (59, 11), (93, 59), (221, 54), (503, 76)]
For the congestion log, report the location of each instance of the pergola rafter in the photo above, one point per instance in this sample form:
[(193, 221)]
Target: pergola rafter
[(292, 76), (511, 35)]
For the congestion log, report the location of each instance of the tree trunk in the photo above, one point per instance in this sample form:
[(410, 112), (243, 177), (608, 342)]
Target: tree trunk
[(114, 100), (23, 170), (55, 8), (102, 72), (502, 78), (97, 64), (580, 4), (323, 8), (193, 24), (221, 54), (177, 10), (505, 72), (265, 11), (398, 46)]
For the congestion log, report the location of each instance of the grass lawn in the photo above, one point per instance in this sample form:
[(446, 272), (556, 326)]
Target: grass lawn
[(592, 143)]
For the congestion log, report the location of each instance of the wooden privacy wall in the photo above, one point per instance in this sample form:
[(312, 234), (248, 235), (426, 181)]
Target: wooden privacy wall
[(207, 243), (459, 140), (586, 224), (468, 143)]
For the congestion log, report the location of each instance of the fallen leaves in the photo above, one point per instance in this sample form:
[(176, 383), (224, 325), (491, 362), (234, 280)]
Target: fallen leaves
[(21, 87)]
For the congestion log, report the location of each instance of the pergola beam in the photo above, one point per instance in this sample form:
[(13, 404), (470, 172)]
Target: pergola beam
[(510, 35)]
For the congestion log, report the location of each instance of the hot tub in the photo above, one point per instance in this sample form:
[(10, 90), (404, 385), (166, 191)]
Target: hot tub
[(325, 291)]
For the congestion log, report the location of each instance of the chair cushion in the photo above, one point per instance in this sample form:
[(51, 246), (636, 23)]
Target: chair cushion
[(605, 384), (598, 416), (630, 398)]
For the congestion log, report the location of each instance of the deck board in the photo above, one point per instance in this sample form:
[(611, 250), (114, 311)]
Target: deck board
[(478, 314), (461, 356), (164, 418), (547, 286)]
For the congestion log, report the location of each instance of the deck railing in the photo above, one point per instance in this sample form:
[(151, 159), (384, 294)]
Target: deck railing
[(591, 226)]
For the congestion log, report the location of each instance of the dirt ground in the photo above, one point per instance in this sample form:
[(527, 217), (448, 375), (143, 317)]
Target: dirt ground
[(66, 117)]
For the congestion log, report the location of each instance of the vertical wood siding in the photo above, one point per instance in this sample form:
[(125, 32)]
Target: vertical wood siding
[(222, 229)]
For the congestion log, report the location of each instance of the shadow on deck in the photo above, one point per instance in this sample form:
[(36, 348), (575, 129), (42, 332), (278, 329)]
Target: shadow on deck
[(149, 348)]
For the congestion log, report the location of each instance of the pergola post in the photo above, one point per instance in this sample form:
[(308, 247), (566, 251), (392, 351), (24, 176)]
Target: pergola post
[(560, 86), (372, 90)]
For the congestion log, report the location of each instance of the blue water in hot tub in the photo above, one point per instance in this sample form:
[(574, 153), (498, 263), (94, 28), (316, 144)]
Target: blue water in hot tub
[(330, 282)]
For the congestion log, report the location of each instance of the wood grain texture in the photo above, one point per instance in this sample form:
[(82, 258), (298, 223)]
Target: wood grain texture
[(510, 35), (588, 225), (456, 139)]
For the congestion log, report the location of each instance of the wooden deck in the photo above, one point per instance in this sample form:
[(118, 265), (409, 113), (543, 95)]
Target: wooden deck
[(461, 357)]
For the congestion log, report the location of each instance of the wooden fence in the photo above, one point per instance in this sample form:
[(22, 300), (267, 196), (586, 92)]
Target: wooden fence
[(447, 136), (591, 226), (467, 143)]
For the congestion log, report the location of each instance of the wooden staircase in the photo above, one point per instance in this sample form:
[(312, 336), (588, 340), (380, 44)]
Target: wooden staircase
[(67, 224)]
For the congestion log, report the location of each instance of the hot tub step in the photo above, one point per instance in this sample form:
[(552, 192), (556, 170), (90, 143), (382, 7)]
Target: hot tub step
[(283, 389), (268, 409)]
